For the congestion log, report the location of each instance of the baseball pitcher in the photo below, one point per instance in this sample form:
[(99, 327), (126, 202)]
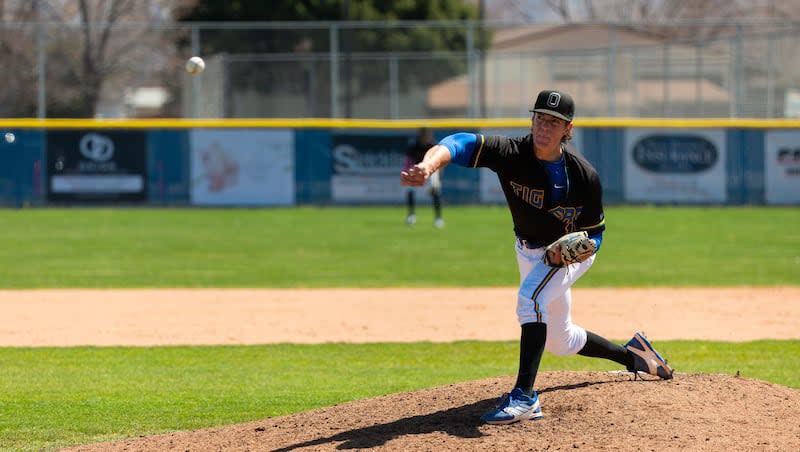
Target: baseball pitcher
[(555, 200)]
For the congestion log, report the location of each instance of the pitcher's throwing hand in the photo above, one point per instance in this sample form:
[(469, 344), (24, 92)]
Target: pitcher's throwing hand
[(414, 176)]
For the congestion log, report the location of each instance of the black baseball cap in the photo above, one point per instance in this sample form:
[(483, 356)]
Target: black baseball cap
[(555, 103)]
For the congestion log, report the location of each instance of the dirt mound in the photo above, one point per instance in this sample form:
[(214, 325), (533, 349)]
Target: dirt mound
[(583, 410)]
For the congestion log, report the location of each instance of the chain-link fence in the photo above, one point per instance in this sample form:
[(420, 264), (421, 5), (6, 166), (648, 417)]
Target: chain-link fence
[(399, 70)]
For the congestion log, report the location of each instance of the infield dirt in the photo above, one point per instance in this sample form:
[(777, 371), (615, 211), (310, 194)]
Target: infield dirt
[(583, 410)]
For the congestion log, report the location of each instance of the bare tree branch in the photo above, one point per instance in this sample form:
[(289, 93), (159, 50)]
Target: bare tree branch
[(561, 8), (90, 59), (119, 8), (88, 44)]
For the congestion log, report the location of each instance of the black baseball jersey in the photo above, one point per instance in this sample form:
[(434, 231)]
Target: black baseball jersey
[(526, 187)]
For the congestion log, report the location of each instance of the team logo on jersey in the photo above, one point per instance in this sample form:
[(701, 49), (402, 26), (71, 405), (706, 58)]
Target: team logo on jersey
[(529, 195), (567, 215), (554, 99)]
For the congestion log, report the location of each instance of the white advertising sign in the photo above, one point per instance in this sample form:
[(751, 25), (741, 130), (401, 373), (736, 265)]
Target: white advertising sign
[(782, 167), (366, 167), (672, 165), (242, 167)]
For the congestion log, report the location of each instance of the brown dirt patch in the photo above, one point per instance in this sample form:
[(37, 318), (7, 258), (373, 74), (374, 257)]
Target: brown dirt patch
[(583, 410)]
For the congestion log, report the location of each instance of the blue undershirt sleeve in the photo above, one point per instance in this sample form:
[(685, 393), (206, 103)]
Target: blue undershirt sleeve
[(597, 238), (462, 146)]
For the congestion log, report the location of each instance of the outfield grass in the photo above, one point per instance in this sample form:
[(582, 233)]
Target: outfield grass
[(372, 247), (51, 397)]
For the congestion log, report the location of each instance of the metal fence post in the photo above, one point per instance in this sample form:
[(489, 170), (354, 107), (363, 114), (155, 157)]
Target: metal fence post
[(394, 90), (666, 107), (770, 76), (699, 79), (470, 71), (523, 86), (739, 79), (41, 104), (634, 82), (333, 32), (195, 80), (224, 85), (612, 71)]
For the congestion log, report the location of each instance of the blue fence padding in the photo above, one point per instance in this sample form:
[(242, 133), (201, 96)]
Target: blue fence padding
[(745, 167), (603, 148), (313, 166), (21, 169), (168, 168)]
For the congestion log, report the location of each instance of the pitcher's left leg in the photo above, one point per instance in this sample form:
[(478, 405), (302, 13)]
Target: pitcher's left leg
[(563, 337)]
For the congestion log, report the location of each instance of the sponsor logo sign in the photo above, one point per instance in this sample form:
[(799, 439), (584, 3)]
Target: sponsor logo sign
[(675, 154), (675, 166), (782, 166), (96, 166), (366, 167), (242, 167)]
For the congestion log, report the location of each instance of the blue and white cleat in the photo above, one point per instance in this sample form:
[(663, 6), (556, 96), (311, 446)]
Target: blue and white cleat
[(646, 358), (514, 407)]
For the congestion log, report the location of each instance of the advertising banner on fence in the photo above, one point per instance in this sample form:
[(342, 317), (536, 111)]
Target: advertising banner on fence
[(366, 167), (96, 167), (782, 167), (667, 165), (242, 167)]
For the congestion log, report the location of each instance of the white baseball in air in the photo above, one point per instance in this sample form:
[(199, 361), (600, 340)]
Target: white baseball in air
[(10, 137), (195, 65)]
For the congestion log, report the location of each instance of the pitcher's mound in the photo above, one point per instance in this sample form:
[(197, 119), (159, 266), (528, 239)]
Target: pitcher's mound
[(583, 410)]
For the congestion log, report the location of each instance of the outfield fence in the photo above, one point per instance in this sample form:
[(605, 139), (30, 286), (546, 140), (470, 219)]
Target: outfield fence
[(341, 162)]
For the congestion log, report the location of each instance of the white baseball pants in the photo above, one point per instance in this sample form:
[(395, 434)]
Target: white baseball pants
[(544, 296)]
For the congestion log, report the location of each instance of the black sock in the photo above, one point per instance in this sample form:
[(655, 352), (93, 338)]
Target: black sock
[(437, 205), (410, 202), (531, 348), (598, 347)]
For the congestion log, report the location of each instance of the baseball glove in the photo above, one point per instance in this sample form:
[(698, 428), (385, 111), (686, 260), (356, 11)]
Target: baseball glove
[(574, 247)]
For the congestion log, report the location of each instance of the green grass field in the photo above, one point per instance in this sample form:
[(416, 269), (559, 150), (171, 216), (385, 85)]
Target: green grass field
[(51, 397), (372, 247)]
